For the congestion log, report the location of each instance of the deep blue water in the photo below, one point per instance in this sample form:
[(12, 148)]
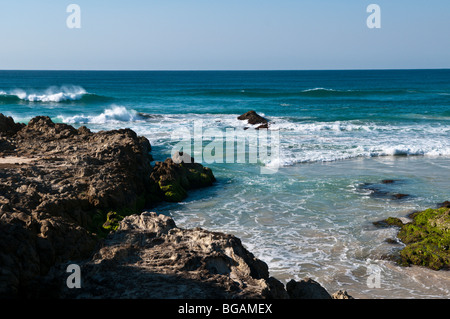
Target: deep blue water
[(322, 95)]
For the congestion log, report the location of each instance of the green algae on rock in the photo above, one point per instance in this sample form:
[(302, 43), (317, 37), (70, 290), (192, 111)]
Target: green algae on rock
[(175, 178), (427, 238)]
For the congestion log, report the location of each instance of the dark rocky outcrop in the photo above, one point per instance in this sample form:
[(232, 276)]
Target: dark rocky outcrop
[(444, 204), (306, 289), (176, 175), (61, 188), (8, 127), (254, 118)]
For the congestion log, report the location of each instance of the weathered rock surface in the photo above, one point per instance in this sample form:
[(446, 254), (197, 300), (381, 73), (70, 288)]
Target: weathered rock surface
[(341, 294), (150, 257), (57, 185)]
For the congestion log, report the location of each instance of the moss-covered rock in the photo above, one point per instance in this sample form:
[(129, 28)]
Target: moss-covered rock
[(389, 222), (173, 179), (173, 192), (112, 221), (427, 239)]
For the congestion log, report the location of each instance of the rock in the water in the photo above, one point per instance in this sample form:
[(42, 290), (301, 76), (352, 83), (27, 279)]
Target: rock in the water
[(382, 190), (306, 289), (399, 196), (444, 204), (254, 118), (389, 222), (427, 238), (175, 179)]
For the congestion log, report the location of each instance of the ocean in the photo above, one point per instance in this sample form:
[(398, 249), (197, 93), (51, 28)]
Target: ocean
[(341, 133)]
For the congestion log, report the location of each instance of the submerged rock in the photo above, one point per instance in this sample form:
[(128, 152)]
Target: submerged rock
[(382, 190), (399, 196)]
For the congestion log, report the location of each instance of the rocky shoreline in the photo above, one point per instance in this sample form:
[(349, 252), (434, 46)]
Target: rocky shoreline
[(71, 196)]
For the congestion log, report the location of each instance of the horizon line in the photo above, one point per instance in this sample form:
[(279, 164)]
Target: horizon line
[(226, 70)]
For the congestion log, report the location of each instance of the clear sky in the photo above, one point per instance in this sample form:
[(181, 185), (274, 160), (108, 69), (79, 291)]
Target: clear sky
[(224, 35)]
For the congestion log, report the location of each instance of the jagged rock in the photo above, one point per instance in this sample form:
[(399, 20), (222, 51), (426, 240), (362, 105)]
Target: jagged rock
[(54, 180), (341, 294), (150, 257), (8, 127)]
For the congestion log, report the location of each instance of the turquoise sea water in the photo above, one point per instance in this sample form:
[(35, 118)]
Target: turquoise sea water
[(341, 134)]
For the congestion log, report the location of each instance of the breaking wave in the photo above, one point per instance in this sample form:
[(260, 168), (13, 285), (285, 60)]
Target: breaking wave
[(50, 95), (115, 114)]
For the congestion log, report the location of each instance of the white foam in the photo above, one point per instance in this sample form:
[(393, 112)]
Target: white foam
[(303, 142), (300, 142), (319, 89), (52, 94), (115, 114)]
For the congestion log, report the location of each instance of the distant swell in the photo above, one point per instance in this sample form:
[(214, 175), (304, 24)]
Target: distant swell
[(317, 92), (51, 95)]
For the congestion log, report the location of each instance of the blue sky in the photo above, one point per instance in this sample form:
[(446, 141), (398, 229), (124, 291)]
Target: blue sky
[(224, 35)]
